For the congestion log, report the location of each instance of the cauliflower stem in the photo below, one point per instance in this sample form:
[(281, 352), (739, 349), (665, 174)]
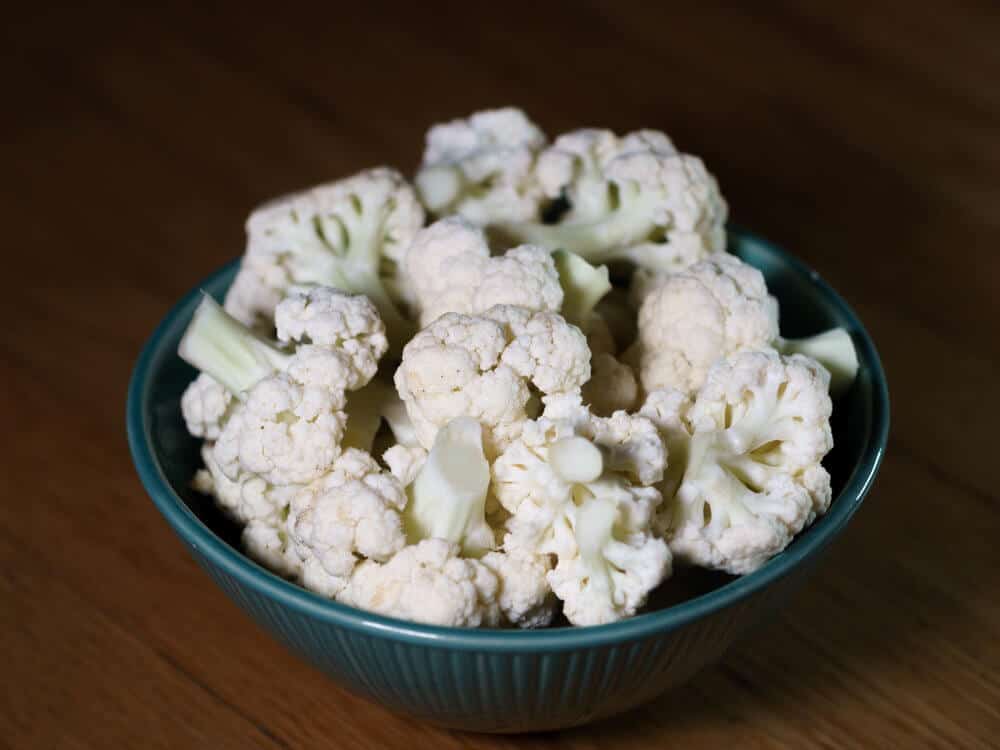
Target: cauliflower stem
[(833, 349), (448, 496), (218, 344), (583, 285)]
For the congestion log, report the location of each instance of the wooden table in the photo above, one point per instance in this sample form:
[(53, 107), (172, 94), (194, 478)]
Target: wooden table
[(866, 139)]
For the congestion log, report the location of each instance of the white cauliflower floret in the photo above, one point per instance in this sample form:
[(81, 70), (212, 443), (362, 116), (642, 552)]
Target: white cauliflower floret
[(288, 425), (525, 598), (561, 464), (612, 386), (245, 498), (350, 234), (285, 432), (634, 198), (206, 405), (693, 319), (331, 320), (755, 438), (609, 567), (451, 270), (630, 443), (350, 514), (485, 366), (269, 545), (427, 582), (481, 167)]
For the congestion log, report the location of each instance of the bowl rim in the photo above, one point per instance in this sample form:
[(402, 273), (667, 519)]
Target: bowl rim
[(195, 534)]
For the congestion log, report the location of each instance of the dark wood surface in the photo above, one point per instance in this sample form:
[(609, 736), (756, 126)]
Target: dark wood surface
[(866, 139)]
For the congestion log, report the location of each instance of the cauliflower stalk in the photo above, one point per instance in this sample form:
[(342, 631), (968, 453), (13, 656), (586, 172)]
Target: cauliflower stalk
[(447, 500)]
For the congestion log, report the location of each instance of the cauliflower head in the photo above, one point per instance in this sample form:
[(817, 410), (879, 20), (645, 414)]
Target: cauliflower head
[(451, 270), (487, 367), (550, 480), (525, 596), (350, 234), (352, 513), (427, 582), (694, 318), (206, 405), (753, 439), (633, 198), (481, 167)]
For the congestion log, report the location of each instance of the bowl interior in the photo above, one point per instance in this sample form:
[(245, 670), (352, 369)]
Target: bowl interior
[(167, 456)]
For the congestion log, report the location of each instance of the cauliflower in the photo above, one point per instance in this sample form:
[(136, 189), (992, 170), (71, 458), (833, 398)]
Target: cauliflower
[(289, 423), (696, 317), (690, 320), (486, 367), (551, 479), (614, 566), (350, 234), (447, 499), (268, 544), (427, 582), (525, 598), (755, 436), (206, 405), (634, 198), (481, 167), (450, 269), (352, 513)]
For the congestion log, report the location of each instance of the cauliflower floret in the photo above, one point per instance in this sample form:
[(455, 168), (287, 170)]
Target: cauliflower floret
[(269, 545), (481, 167), (693, 319), (634, 198), (427, 582), (755, 437), (289, 423), (485, 367), (206, 405), (609, 567), (451, 270), (612, 386), (631, 444), (285, 432), (525, 599), (561, 464), (245, 498), (351, 513), (331, 320), (350, 234)]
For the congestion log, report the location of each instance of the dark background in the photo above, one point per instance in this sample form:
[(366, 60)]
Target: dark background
[(865, 138)]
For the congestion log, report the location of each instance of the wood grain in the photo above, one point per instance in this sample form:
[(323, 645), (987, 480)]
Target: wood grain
[(862, 136)]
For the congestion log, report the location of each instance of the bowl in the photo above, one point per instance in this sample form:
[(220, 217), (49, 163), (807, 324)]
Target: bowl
[(498, 680)]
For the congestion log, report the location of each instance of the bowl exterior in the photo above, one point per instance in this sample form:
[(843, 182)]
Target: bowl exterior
[(483, 690)]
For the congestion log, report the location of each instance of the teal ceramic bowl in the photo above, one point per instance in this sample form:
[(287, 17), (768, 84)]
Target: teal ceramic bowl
[(509, 681)]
